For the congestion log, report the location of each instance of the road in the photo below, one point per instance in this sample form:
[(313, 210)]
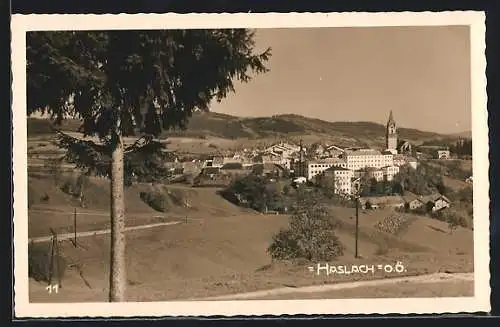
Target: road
[(422, 279), (67, 236)]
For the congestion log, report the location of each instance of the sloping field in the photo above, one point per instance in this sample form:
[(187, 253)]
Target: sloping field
[(221, 249), (215, 255), (52, 208), (422, 234)]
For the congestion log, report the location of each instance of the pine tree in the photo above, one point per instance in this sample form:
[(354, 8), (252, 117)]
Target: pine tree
[(131, 83)]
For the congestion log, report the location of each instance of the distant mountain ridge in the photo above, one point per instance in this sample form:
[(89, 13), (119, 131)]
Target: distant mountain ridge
[(287, 125)]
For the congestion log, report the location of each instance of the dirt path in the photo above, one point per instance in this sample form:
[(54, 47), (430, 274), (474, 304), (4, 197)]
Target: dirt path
[(99, 213), (422, 279), (67, 236)]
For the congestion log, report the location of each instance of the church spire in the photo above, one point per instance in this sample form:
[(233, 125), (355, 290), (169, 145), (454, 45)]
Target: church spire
[(391, 119)]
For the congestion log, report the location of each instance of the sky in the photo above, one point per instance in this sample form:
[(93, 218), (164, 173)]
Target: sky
[(421, 73)]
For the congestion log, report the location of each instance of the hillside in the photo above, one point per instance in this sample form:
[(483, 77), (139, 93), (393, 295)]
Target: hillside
[(217, 248), (203, 125)]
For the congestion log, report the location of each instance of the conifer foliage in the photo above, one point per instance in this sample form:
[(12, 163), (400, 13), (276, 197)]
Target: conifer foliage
[(131, 83)]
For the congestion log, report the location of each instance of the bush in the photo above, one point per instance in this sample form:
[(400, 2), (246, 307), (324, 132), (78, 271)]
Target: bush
[(69, 186), (455, 218), (310, 236), (156, 199), (254, 191), (177, 197), (45, 198), (39, 263)]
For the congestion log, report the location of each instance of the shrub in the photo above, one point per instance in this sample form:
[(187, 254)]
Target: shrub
[(310, 235), (69, 187), (45, 198), (455, 218), (156, 199), (177, 197), (39, 263)]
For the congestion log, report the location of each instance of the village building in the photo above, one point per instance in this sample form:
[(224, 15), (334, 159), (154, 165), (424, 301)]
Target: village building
[(381, 202), (443, 154), (316, 167), (334, 148), (317, 149), (244, 160), (412, 201), (412, 162), (283, 149), (375, 173), (435, 202), (234, 168), (390, 172), (210, 171), (399, 160), (217, 161), (277, 159), (269, 169), (342, 179), (365, 158), (382, 174)]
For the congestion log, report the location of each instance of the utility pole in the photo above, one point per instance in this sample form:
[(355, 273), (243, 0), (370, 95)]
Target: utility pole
[(74, 228), (357, 228), (301, 164), (356, 236)]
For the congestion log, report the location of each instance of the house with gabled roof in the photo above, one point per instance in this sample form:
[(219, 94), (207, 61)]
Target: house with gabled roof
[(412, 201), (435, 202), (379, 202)]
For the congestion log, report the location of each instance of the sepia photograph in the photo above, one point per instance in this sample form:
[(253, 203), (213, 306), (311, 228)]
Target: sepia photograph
[(250, 164)]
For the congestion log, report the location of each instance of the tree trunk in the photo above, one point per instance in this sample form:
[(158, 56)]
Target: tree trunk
[(118, 275)]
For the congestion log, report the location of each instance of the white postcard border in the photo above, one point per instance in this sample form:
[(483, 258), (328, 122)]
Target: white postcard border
[(20, 24)]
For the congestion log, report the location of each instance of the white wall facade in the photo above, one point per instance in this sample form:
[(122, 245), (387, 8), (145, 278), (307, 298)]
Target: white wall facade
[(361, 159), (316, 167)]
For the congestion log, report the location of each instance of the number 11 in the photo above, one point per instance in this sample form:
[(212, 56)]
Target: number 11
[(51, 288)]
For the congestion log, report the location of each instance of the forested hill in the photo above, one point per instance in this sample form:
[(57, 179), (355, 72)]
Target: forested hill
[(231, 127)]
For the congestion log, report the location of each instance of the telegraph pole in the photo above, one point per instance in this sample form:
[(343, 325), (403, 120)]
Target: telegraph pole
[(357, 228), (301, 164)]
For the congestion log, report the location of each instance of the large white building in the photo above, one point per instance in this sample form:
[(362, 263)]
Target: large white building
[(367, 158), (402, 160), (390, 172), (343, 178), (316, 167), (383, 174)]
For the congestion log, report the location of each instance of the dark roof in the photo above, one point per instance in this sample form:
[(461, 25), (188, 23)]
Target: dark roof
[(434, 198), (232, 165), (334, 168), (210, 170), (389, 199), (409, 197)]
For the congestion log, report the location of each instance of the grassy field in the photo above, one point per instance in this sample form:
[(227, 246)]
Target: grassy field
[(221, 249)]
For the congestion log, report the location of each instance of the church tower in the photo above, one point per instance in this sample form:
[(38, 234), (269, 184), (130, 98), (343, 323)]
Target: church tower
[(391, 136)]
